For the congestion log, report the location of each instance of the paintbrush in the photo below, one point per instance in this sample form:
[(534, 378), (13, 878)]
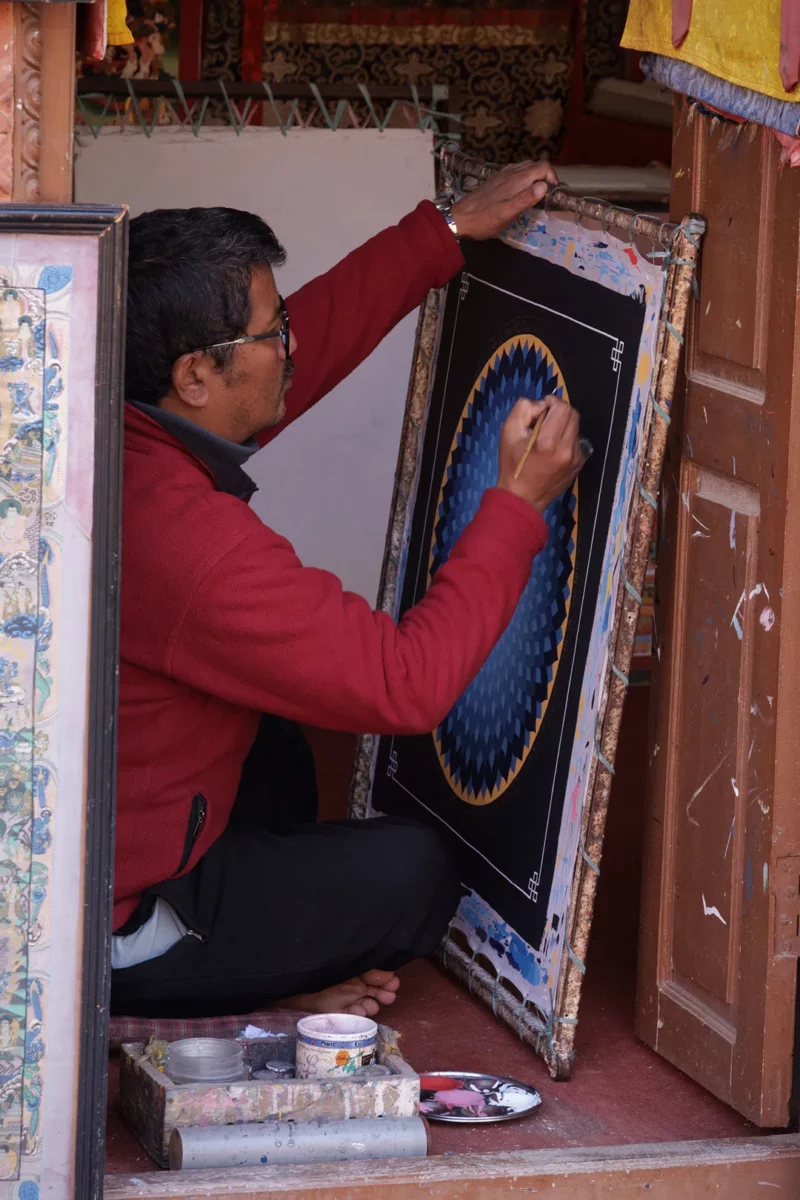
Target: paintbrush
[(531, 442)]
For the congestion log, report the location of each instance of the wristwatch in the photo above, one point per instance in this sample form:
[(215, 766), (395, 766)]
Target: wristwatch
[(445, 207)]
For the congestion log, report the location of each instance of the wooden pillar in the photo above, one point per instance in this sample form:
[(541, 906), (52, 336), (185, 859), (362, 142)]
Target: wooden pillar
[(37, 102)]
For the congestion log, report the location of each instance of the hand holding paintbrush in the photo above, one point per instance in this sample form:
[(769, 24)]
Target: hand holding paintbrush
[(541, 450)]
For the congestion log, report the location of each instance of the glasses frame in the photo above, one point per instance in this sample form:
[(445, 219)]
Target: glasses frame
[(284, 333)]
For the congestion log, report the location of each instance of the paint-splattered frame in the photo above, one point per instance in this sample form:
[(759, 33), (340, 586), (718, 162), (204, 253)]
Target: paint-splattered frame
[(631, 252), (62, 274)]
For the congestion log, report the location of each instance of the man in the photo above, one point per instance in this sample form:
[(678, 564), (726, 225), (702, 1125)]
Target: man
[(228, 895)]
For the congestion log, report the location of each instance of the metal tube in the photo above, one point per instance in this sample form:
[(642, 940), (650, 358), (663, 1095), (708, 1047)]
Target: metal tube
[(271, 1142)]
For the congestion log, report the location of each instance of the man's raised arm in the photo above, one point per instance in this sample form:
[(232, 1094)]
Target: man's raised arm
[(340, 317)]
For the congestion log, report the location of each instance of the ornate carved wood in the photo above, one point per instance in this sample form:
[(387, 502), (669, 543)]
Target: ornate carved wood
[(37, 84)]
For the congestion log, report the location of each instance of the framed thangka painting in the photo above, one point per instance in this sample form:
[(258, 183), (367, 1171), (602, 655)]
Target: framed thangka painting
[(61, 336), (587, 303)]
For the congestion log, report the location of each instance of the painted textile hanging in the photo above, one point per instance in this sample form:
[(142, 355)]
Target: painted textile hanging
[(511, 65), (517, 776)]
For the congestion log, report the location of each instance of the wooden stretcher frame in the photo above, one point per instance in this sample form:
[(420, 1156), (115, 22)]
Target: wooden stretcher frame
[(678, 245)]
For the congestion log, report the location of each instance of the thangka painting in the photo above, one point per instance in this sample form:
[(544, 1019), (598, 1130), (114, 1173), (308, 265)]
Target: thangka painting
[(517, 775), (55, 592)]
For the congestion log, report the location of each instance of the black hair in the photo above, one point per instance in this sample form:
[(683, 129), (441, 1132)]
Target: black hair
[(189, 275)]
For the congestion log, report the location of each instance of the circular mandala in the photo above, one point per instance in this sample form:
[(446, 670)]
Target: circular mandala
[(486, 737)]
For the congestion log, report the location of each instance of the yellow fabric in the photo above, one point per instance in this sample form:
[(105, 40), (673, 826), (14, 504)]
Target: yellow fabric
[(738, 40), (117, 31)]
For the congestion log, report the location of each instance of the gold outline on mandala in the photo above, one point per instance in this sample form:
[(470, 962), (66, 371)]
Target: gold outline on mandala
[(527, 340)]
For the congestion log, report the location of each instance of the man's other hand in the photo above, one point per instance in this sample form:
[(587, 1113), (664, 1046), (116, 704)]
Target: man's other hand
[(555, 459), (487, 210)]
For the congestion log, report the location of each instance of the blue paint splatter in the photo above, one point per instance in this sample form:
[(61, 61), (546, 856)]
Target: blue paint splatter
[(503, 940), (28, 1190)]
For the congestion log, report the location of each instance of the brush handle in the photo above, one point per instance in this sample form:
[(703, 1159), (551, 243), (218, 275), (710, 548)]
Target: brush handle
[(531, 443)]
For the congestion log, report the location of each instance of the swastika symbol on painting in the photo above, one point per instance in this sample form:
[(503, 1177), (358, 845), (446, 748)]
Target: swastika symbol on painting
[(533, 887), (616, 355), (464, 285), (391, 769)]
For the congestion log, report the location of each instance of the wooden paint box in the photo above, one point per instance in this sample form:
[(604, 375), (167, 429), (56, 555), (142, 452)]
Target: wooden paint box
[(153, 1105)]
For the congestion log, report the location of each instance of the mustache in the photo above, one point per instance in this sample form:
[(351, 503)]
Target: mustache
[(288, 369)]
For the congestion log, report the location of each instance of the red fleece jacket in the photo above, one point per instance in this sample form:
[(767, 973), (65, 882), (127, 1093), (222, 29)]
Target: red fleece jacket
[(221, 621)]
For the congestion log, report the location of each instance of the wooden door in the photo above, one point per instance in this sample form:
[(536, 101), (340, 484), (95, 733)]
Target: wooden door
[(721, 918)]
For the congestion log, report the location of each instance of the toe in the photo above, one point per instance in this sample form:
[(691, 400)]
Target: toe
[(383, 996), (378, 978), (366, 1007)]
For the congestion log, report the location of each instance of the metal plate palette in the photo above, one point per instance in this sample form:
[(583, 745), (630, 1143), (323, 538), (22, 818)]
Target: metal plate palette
[(468, 1096)]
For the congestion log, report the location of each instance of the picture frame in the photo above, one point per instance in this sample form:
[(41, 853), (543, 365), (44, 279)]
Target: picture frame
[(539, 999), (62, 312)]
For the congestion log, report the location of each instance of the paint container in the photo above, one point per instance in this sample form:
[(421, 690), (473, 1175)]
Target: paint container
[(271, 1142), (275, 1070), (333, 1044), (206, 1060)]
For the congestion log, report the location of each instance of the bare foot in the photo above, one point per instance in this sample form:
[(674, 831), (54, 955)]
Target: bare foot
[(361, 996)]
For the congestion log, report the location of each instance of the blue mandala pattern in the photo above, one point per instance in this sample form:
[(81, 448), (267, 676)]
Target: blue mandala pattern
[(486, 737)]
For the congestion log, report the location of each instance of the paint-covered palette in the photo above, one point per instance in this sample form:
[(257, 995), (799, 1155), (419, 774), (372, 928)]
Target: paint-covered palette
[(471, 1096)]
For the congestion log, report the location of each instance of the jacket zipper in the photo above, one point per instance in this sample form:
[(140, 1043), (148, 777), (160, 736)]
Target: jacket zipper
[(197, 819)]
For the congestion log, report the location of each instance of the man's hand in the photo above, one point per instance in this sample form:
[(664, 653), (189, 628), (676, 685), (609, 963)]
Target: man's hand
[(555, 459), (495, 204)]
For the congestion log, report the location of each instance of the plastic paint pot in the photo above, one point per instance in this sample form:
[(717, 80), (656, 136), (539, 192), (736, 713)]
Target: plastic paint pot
[(206, 1060), (334, 1044)]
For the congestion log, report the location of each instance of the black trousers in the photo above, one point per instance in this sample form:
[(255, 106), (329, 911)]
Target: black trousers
[(284, 905)]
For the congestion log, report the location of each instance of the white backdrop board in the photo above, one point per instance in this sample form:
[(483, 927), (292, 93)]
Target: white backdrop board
[(326, 483)]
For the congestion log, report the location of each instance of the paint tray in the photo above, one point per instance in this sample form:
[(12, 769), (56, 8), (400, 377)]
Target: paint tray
[(152, 1105)]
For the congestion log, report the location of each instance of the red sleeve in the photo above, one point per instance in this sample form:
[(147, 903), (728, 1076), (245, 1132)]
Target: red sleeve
[(340, 317), (267, 633)]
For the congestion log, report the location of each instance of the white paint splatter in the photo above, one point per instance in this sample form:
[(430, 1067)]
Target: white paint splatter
[(705, 414), (750, 751), (764, 807), (654, 755), (685, 499), (732, 534), (765, 876), (767, 618), (730, 838), (756, 591), (705, 783), (699, 533), (734, 464), (735, 618), (711, 910), (769, 701), (699, 522), (735, 788)]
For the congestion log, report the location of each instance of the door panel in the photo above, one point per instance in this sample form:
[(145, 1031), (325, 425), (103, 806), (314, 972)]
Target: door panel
[(716, 990)]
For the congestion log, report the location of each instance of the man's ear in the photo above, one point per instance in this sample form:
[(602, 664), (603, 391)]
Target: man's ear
[(190, 379)]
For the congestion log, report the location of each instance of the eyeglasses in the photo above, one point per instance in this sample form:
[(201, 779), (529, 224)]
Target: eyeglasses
[(283, 333)]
